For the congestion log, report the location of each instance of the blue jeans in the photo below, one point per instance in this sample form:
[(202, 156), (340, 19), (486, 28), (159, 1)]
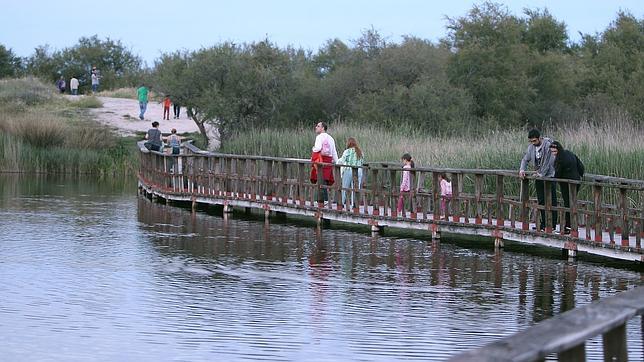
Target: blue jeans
[(347, 182), (144, 107), (94, 88), (74, 91)]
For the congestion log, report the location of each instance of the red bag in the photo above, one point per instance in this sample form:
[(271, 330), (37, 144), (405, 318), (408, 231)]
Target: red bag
[(327, 171)]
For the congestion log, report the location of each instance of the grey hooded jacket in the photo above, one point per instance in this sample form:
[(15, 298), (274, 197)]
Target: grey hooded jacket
[(547, 167)]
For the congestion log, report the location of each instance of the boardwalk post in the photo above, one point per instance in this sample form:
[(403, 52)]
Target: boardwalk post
[(615, 344), (525, 198), (500, 219), (436, 193), (597, 197), (455, 204), (337, 176), (478, 187), (574, 218), (355, 194), (547, 187), (412, 194), (376, 196), (624, 206)]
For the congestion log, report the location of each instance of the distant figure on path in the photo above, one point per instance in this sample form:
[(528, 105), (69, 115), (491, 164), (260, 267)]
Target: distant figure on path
[(61, 85), (446, 193), (542, 160), (153, 136), (405, 181), (176, 108), (166, 107), (96, 78), (73, 85), (323, 151), (352, 156), (567, 166), (142, 93)]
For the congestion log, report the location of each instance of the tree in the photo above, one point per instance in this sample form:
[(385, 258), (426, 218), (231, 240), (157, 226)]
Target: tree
[(118, 65), (615, 60), (229, 86), (10, 64), (491, 62)]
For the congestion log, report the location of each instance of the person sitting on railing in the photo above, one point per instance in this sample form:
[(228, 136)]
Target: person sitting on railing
[(405, 181), (538, 155), (567, 166), (153, 136), (352, 156), (323, 151)]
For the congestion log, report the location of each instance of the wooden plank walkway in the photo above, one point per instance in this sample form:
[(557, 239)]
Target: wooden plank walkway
[(488, 203)]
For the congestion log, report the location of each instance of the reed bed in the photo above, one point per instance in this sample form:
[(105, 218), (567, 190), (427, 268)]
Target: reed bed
[(42, 131), (613, 147)]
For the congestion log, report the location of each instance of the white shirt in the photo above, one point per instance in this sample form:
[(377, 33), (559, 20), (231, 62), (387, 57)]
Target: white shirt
[(326, 144), (73, 83)]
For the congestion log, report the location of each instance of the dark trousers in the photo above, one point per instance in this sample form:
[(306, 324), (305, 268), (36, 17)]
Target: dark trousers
[(540, 186), (323, 194), (566, 199), (176, 109)]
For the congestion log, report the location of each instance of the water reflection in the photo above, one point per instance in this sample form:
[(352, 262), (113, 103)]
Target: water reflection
[(121, 277)]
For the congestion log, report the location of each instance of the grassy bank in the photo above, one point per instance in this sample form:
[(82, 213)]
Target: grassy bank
[(614, 147), (44, 132)]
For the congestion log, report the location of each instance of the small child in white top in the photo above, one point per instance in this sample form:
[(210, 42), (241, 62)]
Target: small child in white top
[(446, 192)]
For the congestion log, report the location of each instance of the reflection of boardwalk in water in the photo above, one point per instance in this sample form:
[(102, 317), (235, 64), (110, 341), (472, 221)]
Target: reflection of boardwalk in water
[(606, 216), (425, 287)]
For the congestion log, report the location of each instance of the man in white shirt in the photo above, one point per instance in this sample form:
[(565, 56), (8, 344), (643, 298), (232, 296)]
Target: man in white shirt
[(324, 143), (323, 151)]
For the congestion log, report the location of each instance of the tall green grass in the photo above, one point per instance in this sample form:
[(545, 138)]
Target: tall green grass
[(44, 132), (612, 147)]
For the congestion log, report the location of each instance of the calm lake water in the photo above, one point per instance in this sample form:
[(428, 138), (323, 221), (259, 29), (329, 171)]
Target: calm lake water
[(89, 270)]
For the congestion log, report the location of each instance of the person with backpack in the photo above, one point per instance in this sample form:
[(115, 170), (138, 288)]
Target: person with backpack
[(567, 166)]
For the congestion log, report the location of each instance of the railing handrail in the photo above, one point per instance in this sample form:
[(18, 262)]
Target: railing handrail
[(563, 332), (587, 179)]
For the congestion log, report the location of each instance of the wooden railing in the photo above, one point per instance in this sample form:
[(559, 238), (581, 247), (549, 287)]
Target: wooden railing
[(566, 334), (606, 211)]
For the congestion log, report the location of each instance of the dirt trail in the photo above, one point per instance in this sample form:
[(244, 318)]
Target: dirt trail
[(123, 115)]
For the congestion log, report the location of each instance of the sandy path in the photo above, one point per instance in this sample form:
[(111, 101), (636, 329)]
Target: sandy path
[(123, 115)]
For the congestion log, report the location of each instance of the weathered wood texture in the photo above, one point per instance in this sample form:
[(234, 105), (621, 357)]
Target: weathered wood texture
[(567, 333)]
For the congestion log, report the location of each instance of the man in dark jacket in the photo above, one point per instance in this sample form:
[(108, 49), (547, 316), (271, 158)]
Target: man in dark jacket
[(567, 166)]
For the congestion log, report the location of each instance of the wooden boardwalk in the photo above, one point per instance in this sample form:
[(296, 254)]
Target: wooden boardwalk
[(606, 213)]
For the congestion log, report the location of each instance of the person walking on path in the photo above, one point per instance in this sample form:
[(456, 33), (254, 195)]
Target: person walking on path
[(96, 78), (61, 85), (542, 160), (153, 136), (73, 85), (142, 93), (166, 107), (176, 108), (323, 151), (352, 156), (405, 181), (567, 166), (446, 193)]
